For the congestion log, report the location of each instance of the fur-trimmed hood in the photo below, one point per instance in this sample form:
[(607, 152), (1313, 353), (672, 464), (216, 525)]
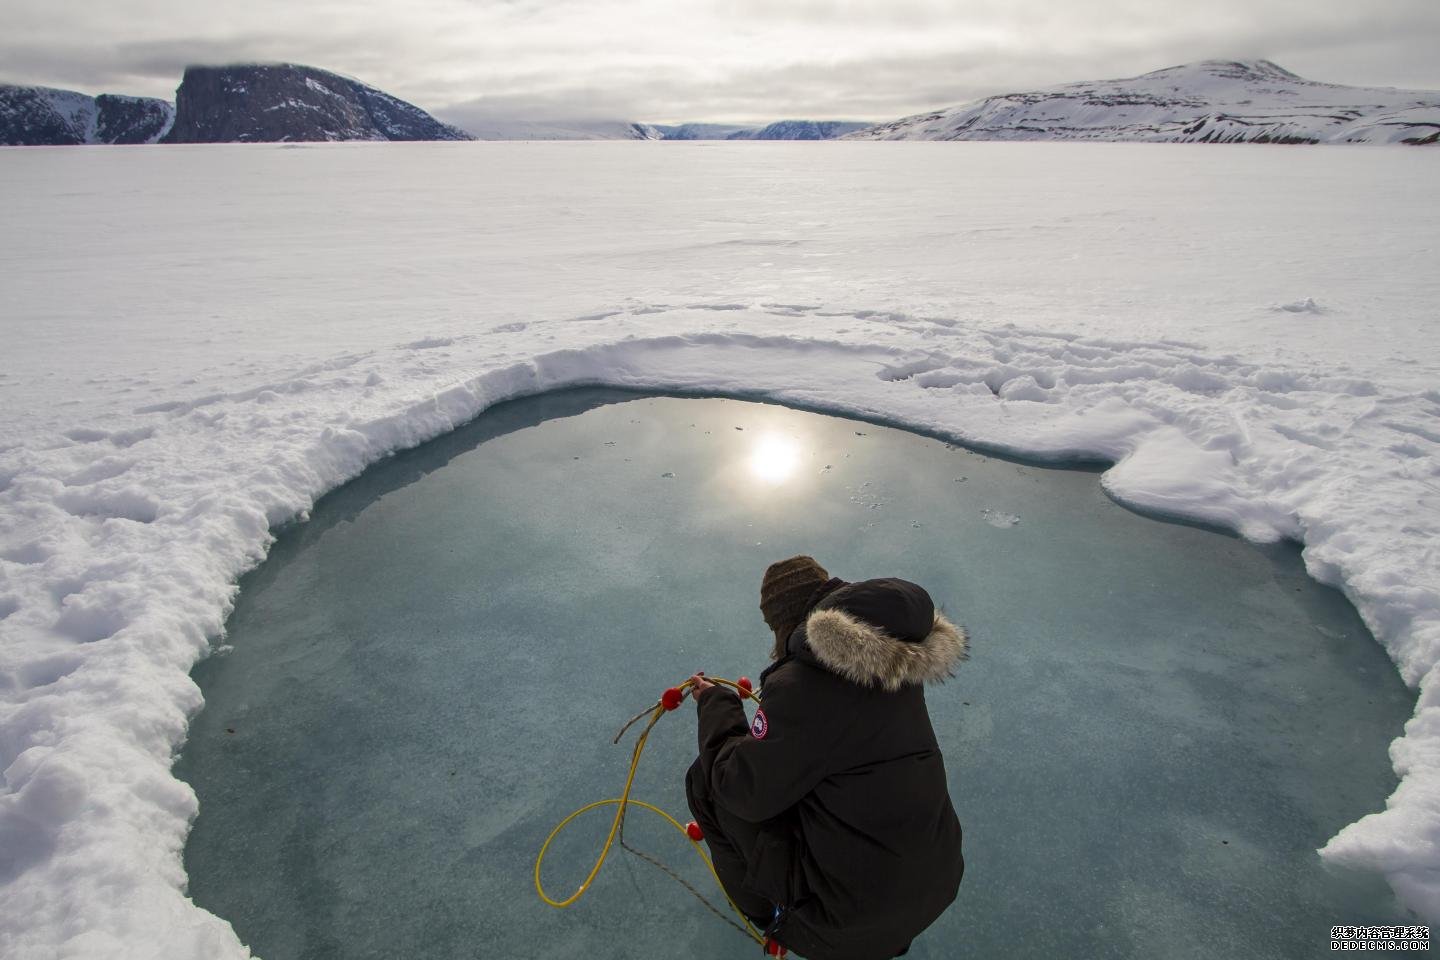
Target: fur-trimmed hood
[(884, 633), (869, 656)]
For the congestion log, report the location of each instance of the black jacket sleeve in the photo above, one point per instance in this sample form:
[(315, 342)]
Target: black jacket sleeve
[(758, 778)]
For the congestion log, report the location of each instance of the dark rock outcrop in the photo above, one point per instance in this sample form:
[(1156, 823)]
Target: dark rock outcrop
[(131, 119), (265, 103), (34, 116), (45, 116)]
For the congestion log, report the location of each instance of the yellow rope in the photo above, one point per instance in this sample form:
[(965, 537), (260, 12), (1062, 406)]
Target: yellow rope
[(623, 802)]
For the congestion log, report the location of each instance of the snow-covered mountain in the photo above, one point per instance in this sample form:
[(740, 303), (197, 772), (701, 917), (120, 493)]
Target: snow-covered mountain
[(280, 102), (507, 129), (1213, 101), (38, 116), (699, 131), (500, 128), (780, 130), (799, 130)]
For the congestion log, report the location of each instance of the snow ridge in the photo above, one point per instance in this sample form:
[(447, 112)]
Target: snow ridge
[(121, 540)]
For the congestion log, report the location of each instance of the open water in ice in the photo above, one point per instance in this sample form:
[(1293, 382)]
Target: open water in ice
[(1158, 725)]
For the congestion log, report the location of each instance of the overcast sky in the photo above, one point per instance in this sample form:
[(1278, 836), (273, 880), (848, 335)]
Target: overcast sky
[(667, 61)]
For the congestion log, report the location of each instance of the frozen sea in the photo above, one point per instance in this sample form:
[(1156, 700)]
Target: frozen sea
[(201, 341)]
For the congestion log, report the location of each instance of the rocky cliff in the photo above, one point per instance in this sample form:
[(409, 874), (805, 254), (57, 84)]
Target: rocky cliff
[(258, 103), (43, 116)]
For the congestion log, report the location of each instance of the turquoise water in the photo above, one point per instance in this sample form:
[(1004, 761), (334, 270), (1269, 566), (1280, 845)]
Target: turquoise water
[(1158, 726)]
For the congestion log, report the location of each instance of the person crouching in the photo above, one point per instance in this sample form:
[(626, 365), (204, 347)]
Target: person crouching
[(828, 816)]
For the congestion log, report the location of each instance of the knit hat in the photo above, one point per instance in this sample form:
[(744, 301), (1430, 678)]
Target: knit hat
[(788, 592)]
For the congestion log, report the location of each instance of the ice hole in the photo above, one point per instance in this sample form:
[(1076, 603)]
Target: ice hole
[(1158, 726)]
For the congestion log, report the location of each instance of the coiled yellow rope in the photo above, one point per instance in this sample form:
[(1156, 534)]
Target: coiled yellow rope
[(623, 802)]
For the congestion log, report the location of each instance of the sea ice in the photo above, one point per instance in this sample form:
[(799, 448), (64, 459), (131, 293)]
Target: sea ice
[(237, 325), (999, 518)]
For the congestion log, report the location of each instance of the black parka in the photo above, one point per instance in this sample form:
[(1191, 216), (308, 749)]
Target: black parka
[(859, 844)]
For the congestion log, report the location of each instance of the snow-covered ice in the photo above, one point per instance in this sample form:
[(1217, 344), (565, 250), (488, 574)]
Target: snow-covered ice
[(200, 341)]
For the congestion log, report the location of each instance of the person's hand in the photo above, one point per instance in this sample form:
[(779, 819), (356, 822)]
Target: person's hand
[(699, 685)]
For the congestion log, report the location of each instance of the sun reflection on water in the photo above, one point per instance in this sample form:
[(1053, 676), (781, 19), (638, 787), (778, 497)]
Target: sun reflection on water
[(774, 458)]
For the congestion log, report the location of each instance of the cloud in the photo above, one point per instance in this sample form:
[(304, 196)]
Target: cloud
[(710, 60)]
